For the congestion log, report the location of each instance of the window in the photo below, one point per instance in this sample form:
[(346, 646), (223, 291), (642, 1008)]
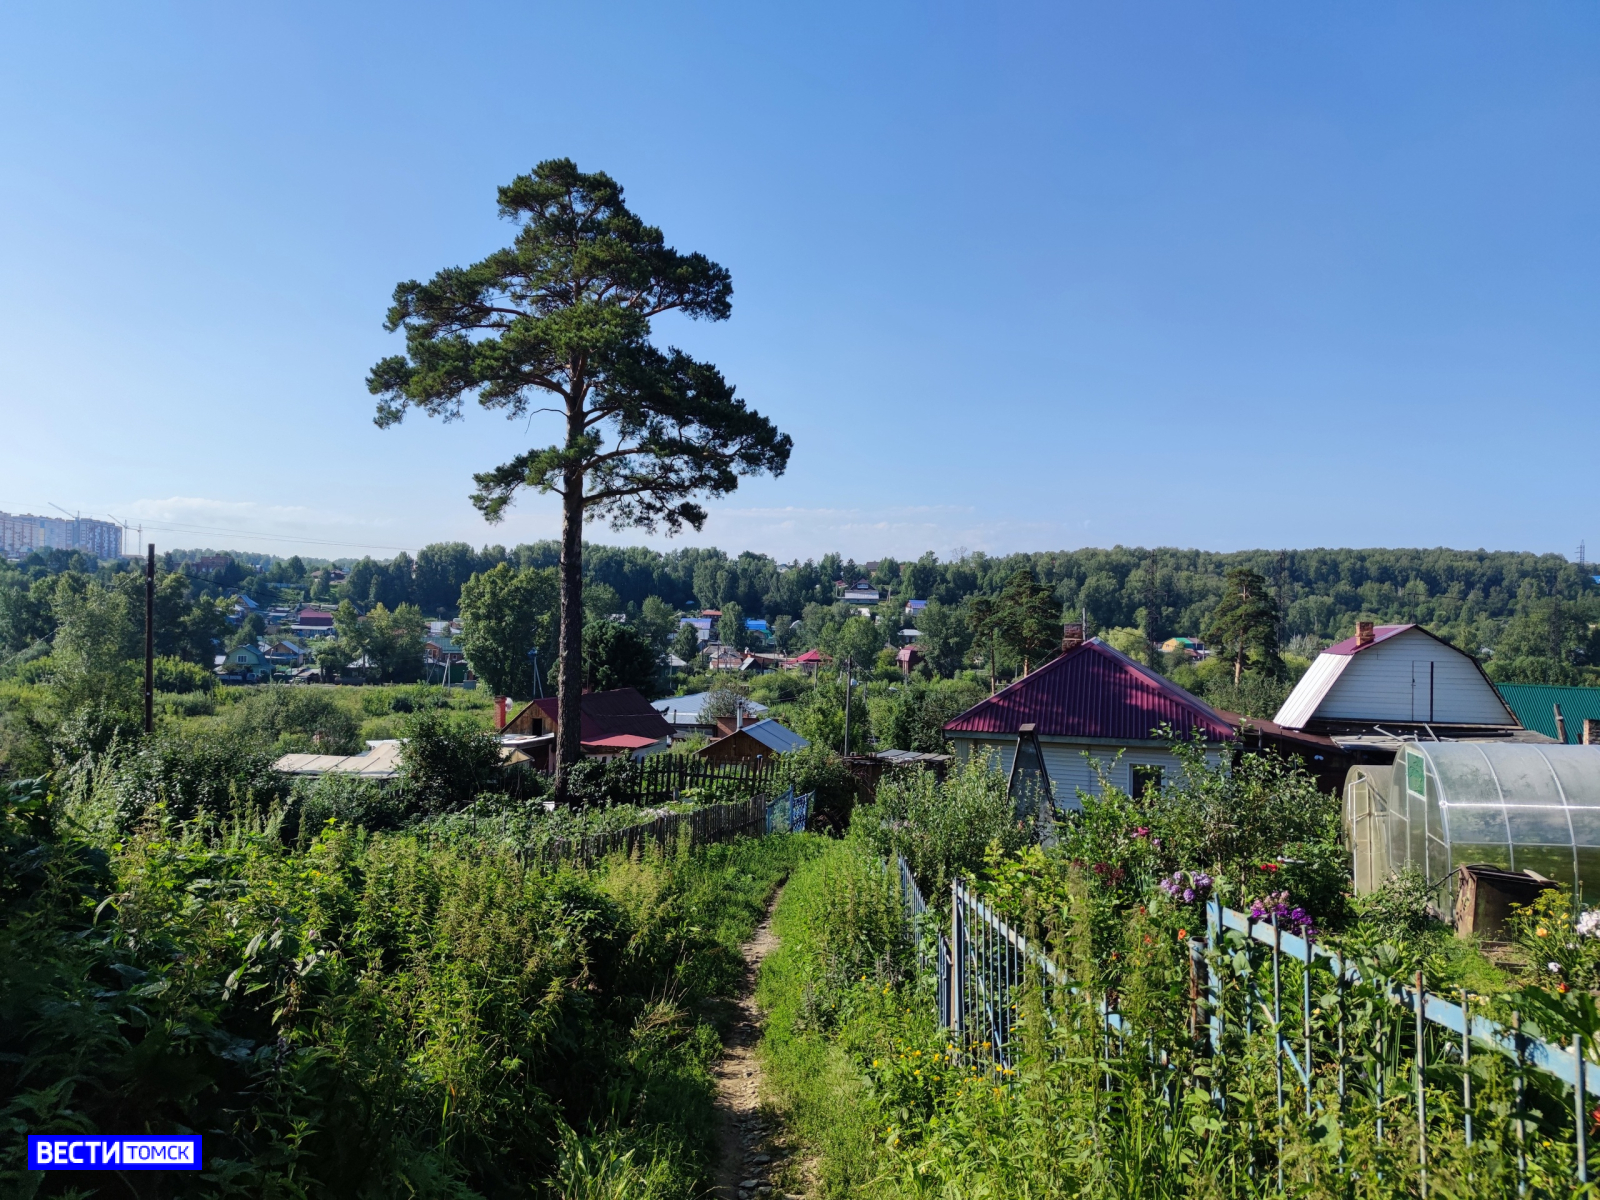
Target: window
[(1145, 777), (244, 658)]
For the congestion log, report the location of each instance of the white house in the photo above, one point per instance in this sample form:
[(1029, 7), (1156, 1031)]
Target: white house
[(1095, 703), (1397, 680)]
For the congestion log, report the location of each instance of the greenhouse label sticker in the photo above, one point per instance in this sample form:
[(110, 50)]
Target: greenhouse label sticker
[(114, 1152)]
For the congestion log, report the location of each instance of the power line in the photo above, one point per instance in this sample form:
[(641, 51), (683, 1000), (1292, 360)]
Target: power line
[(284, 537)]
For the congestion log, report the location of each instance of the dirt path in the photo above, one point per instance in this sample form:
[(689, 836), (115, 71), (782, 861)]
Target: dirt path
[(748, 1139)]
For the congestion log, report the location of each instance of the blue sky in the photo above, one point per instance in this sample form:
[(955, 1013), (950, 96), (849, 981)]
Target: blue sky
[(1014, 277)]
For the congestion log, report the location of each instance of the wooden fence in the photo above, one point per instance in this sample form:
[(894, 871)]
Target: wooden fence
[(666, 776)]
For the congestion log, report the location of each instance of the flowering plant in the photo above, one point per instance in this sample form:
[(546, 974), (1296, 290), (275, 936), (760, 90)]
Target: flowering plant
[(1186, 887), (1276, 904)]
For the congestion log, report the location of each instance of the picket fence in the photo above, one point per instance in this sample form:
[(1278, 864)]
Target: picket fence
[(982, 964), (666, 776), (787, 813)]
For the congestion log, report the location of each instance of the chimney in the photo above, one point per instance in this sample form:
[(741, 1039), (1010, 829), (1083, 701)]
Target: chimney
[(1561, 725), (499, 712), (1363, 633), (1591, 732), (1071, 635)]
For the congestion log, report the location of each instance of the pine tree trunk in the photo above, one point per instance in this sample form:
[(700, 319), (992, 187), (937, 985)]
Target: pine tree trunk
[(569, 733)]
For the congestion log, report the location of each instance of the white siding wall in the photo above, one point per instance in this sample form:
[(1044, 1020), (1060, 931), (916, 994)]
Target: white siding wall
[(1377, 685), (1070, 771)]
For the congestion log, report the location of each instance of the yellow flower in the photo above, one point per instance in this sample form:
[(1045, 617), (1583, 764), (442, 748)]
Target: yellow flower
[(1542, 931)]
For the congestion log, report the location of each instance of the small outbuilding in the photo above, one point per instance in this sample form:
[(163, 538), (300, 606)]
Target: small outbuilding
[(380, 760), (762, 741)]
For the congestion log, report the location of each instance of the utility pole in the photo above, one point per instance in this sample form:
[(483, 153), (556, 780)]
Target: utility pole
[(150, 640), (850, 682)]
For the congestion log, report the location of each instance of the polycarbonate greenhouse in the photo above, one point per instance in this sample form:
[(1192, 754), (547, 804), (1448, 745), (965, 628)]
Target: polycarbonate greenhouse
[(1445, 805)]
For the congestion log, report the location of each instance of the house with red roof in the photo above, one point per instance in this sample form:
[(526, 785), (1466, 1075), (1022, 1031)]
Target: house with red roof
[(617, 724), (1094, 704)]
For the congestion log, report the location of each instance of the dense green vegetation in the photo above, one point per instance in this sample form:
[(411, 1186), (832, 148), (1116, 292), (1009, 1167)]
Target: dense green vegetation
[(370, 1014), (892, 1106)]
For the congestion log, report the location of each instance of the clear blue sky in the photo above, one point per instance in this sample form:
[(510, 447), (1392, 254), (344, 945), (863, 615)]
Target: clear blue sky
[(1014, 277)]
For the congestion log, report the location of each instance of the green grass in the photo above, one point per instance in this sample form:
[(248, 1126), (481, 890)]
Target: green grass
[(374, 1014), (869, 1083)]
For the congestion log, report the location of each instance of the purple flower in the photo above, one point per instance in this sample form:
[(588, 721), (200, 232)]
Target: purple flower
[(1185, 887), (1295, 919)]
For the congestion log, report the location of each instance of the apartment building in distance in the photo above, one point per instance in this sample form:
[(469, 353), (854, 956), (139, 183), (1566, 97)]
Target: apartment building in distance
[(23, 533)]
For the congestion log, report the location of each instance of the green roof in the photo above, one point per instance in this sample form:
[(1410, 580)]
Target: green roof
[(1534, 704)]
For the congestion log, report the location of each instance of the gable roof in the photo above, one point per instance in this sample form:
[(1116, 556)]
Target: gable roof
[(1380, 633), (686, 709), (1315, 686), (604, 715), (775, 737), (1094, 691)]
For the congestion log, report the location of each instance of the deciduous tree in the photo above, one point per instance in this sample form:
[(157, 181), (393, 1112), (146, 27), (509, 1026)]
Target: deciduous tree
[(504, 614), (559, 322)]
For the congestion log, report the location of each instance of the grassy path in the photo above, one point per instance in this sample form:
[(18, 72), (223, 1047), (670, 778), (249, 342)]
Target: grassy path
[(747, 1141)]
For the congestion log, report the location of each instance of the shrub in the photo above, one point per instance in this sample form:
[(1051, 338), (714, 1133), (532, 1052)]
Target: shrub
[(1400, 905), (296, 719), (942, 829), (603, 782), (176, 676), (447, 761), (819, 770), (348, 799), (185, 775)]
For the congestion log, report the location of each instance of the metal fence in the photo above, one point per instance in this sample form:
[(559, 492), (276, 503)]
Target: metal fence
[(789, 813), (983, 966)]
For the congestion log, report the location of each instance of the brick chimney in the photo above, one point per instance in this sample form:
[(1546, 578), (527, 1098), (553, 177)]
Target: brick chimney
[(1363, 633), (1071, 635)]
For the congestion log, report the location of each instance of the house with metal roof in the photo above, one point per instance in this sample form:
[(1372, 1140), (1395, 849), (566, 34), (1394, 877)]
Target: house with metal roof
[(618, 723), (1094, 703), (1396, 681), (1564, 714), (684, 713), (761, 741)]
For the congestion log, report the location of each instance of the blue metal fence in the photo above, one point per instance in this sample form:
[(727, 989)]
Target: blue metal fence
[(789, 813), (983, 965)]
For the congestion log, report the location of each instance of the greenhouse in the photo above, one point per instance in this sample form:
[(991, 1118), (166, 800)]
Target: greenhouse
[(1442, 806)]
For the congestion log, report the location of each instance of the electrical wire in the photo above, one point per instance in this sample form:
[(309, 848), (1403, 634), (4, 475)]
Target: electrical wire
[(282, 537)]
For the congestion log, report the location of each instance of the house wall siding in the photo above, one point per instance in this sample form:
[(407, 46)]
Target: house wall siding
[(1389, 682), (1070, 771)]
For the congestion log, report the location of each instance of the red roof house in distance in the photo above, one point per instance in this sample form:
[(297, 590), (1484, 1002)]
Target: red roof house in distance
[(1094, 700), (616, 724)]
